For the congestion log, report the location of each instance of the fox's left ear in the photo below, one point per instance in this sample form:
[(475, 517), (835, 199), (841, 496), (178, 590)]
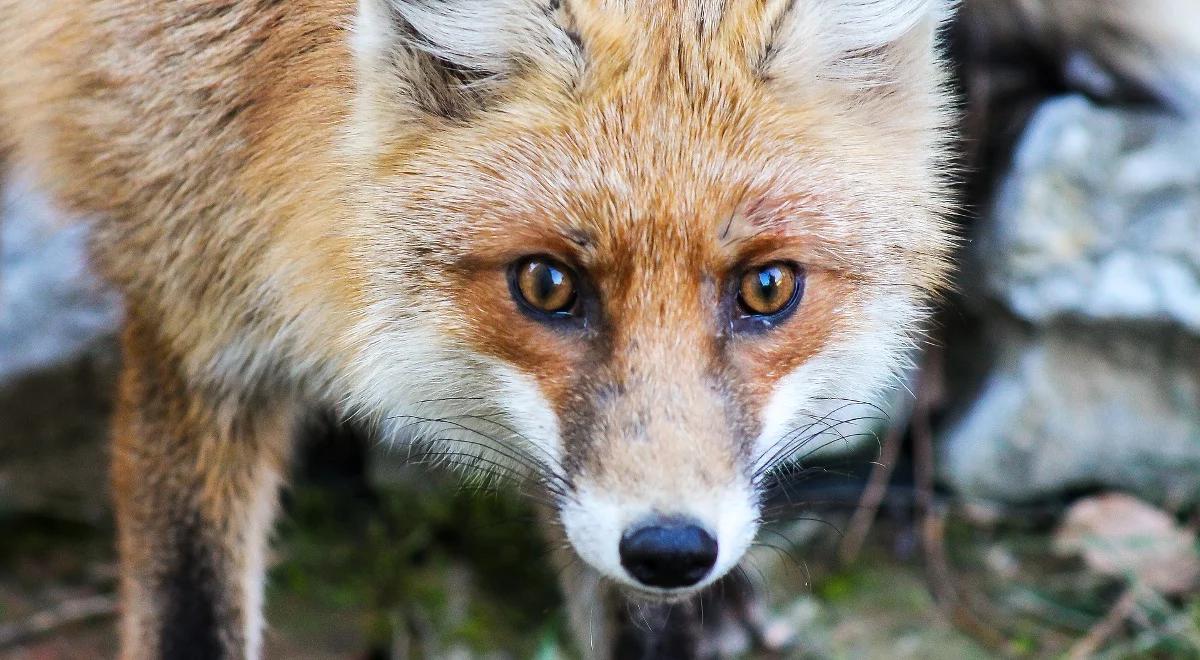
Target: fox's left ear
[(859, 46)]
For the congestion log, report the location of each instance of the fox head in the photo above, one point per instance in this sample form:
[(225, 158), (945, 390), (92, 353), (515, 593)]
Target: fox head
[(642, 250)]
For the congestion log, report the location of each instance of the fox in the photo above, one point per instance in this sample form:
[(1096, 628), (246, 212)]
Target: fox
[(635, 254)]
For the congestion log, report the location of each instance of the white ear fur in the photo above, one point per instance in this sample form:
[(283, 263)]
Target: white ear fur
[(865, 25), (484, 36), (373, 32), (860, 42)]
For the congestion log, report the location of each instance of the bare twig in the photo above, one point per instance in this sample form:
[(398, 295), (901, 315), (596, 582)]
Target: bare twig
[(933, 520), (877, 483), (66, 613), (1107, 627), (942, 582)]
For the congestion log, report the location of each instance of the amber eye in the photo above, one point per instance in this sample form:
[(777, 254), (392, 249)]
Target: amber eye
[(545, 285), (769, 289)]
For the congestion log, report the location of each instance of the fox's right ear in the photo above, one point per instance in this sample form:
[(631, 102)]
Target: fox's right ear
[(449, 58)]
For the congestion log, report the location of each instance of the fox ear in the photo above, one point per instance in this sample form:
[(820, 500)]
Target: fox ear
[(448, 57), (858, 44)]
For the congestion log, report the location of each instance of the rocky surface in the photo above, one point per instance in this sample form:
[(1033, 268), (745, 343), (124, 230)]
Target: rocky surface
[(1092, 252), (1099, 219), (57, 363), (52, 309), (1073, 408)]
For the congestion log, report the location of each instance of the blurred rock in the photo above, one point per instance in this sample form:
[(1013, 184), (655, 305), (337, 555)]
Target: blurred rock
[(1075, 408), (1093, 253), (57, 364), (51, 308), (1134, 48), (1099, 219)]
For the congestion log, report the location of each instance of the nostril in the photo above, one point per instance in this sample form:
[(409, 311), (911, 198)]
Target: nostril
[(668, 555)]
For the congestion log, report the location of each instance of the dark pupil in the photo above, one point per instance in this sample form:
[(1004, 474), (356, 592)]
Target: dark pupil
[(768, 283), (547, 280)]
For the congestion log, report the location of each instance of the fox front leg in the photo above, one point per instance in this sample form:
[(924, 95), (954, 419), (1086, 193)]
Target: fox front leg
[(196, 482)]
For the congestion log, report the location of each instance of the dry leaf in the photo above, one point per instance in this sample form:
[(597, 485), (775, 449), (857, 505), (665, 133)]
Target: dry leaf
[(1122, 536)]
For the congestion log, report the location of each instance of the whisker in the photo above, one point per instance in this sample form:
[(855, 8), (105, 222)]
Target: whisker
[(492, 468), (784, 454), (449, 398), (550, 458), (504, 449), (781, 456), (886, 415), (490, 418), (772, 454), (786, 437)]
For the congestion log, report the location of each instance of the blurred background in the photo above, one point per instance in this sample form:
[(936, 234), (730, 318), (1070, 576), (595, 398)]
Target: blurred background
[(1035, 492)]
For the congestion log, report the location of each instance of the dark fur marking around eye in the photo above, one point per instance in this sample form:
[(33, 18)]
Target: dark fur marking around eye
[(580, 238), (572, 34), (575, 39), (230, 115), (728, 227), (209, 12)]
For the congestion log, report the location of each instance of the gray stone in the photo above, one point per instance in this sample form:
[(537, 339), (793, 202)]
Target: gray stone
[(58, 362), (51, 307), (1074, 407), (1099, 219), (1093, 253)]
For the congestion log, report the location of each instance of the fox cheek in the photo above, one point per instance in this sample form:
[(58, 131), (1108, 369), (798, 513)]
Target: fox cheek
[(534, 420)]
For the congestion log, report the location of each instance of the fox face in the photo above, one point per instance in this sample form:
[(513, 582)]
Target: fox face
[(645, 252)]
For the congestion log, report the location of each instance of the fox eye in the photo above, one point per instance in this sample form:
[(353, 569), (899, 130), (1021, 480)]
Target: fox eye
[(770, 290), (544, 285)]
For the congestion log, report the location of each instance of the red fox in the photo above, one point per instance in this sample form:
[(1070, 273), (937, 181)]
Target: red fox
[(637, 251)]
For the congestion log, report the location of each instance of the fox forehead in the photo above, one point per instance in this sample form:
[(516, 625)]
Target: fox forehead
[(609, 186), (636, 123), (673, 132)]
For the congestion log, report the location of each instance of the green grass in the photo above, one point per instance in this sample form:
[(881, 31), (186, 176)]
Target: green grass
[(447, 567)]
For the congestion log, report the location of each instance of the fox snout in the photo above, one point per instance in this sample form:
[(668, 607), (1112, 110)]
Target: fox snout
[(663, 552), (662, 502)]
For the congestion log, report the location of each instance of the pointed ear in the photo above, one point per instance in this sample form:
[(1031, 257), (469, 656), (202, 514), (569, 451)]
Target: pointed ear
[(448, 57), (858, 45)]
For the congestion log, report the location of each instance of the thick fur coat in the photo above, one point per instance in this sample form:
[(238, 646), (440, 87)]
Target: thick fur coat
[(316, 203)]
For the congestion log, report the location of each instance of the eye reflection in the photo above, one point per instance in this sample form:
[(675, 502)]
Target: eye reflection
[(545, 285), (769, 289)]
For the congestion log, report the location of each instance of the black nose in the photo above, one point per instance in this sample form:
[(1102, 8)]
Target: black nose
[(668, 554)]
